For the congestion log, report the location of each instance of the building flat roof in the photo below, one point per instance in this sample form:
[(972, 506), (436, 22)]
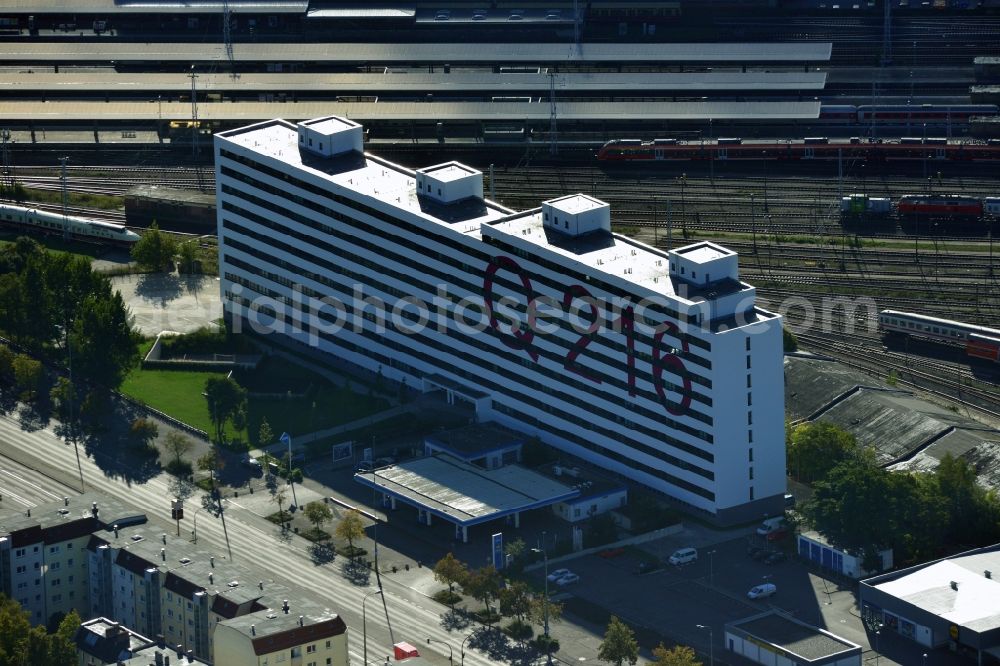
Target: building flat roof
[(388, 183), (365, 112), (463, 493), (386, 53), (794, 636), (478, 438), (496, 83), (972, 605), (609, 253)]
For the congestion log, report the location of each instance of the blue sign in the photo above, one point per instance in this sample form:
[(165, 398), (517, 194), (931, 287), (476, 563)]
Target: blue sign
[(498, 551), (285, 438)]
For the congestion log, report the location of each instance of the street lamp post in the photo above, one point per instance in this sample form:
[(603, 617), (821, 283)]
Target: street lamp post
[(877, 632), (545, 614), (364, 624), (711, 643), (711, 568), (194, 532), (451, 654), (462, 646)]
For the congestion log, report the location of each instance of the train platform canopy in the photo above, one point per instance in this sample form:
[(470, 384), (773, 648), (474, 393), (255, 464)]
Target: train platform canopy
[(496, 83), (905, 431), (73, 111), (112, 7), (464, 494), (361, 10), (387, 53)]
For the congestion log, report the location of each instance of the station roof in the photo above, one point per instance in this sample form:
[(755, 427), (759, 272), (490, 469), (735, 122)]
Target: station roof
[(803, 640), (973, 605), (385, 53), (496, 83), (405, 111), (465, 494), (153, 6)]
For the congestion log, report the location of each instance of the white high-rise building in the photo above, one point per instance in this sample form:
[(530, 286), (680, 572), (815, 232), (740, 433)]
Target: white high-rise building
[(655, 365)]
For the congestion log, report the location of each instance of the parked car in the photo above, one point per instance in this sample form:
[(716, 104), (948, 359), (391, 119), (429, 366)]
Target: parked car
[(762, 591), (568, 579), (364, 467), (683, 556), (775, 558), (771, 525), (251, 462), (777, 534), (557, 574)]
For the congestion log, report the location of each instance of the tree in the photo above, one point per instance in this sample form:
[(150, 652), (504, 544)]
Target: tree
[(538, 607), (451, 572), (6, 364), (515, 600), (21, 643), (483, 585), (855, 487), (63, 397), (350, 528), (679, 655), (619, 644), (143, 431), (265, 435), (212, 463), (62, 646), (178, 446), (225, 397), (28, 375), (155, 249), (317, 513), (788, 341), (816, 448), (187, 255), (279, 497), (104, 344)]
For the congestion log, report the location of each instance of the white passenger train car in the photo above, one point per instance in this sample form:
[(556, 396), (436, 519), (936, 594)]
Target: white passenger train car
[(979, 341), (49, 223)]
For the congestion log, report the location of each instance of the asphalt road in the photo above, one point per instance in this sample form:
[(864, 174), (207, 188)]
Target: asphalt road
[(256, 544)]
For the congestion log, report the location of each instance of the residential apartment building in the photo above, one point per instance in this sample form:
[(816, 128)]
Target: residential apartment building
[(656, 365), (140, 581), (43, 552)]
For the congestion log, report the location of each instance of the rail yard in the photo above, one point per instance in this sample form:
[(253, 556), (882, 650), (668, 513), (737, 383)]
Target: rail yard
[(836, 166)]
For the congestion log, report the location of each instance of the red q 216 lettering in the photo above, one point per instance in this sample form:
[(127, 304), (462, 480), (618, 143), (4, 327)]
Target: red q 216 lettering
[(577, 291), (669, 361), (516, 337)]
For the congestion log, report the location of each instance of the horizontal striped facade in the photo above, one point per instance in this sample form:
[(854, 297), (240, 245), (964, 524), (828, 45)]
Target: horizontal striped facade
[(383, 287)]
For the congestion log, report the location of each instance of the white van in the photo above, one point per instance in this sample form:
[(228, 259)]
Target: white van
[(683, 556), (771, 525)]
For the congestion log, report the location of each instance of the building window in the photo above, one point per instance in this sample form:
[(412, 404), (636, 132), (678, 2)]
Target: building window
[(749, 418), (310, 649), (321, 145), (19, 552), (751, 454), (751, 473), (750, 437), (749, 399), (748, 362), (748, 344), (310, 143), (751, 493), (53, 549), (328, 646), (749, 383)]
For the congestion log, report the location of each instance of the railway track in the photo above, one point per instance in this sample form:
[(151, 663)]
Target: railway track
[(880, 361)]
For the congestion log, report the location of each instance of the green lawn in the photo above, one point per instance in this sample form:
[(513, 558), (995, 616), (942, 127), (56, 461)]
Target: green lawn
[(179, 394)]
